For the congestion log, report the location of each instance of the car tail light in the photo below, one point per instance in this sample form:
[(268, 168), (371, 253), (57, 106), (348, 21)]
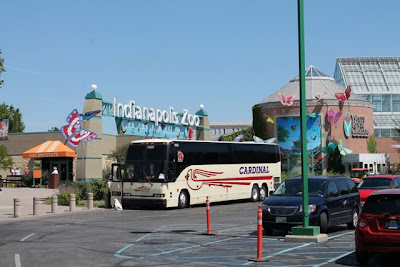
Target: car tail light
[(362, 223)]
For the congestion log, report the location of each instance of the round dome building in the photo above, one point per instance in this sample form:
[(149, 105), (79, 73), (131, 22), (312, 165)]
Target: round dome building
[(335, 115)]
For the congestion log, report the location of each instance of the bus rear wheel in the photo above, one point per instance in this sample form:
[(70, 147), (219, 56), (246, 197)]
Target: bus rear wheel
[(183, 200), (255, 193)]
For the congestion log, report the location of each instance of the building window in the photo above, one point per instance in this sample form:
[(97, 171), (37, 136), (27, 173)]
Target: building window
[(368, 97), (377, 102), (396, 103), (386, 99), (385, 132), (377, 132), (394, 133)]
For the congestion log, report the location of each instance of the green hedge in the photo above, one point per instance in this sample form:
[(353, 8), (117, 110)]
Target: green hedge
[(97, 187)]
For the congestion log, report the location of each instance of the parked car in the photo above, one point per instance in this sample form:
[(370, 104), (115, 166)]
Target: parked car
[(378, 228), (332, 201), (371, 184)]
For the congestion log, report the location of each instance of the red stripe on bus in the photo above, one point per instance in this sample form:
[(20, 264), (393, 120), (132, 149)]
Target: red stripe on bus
[(235, 179), (240, 183)]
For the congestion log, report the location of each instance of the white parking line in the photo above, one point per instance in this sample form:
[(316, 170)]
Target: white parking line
[(332, 237), (17, 260), (333, 259), (289, 249), (26, 237), (283, 251)]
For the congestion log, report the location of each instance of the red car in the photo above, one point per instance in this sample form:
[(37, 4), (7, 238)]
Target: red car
[(371, 184), (378, 227)]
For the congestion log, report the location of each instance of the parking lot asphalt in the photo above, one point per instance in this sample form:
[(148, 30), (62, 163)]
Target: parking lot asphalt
[(170, 237), (234, 247), (26, 195)]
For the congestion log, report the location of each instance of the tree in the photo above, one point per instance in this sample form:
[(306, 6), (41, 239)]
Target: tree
[(2, 69), (247, 135), (5, 160), (259, 123), (54, 129), (14, 115), (119, 154), (335, 161), (371, 144)]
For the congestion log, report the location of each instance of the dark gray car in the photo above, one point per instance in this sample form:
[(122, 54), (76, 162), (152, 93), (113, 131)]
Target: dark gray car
[(332, 201)]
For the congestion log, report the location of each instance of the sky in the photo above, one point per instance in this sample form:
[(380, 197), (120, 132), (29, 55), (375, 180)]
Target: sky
[(225, 54)]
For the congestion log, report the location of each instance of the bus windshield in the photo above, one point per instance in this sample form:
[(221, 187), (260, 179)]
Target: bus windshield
[(146, 163), (358, 173)]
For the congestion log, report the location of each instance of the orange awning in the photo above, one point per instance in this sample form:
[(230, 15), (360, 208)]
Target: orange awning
[(49, 149)]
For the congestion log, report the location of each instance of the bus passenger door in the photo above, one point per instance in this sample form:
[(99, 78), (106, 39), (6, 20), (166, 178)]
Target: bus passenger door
[(115, 183)]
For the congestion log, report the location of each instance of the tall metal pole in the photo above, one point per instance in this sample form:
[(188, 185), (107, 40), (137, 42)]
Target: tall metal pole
[(303, 113)]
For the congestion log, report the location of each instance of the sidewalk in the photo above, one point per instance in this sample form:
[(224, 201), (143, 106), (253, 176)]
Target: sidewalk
[(26, 196)]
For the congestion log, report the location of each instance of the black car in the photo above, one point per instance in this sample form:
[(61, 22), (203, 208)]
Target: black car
[(332, 201)]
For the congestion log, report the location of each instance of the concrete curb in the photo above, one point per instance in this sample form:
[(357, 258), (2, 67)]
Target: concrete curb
[(305, 238)]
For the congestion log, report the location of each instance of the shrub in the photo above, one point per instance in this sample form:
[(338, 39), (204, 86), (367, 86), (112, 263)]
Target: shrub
[(27, 180), (67, 188), (97, 187)]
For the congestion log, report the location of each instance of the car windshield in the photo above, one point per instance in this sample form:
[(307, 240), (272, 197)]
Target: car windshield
[(293, 187), (382, 205), (375, 183)]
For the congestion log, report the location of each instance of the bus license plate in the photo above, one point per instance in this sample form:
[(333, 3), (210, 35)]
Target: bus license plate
[(280, 219), (392, 224)]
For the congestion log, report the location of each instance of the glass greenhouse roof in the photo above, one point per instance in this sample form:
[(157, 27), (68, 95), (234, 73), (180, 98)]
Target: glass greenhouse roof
[(369, 75), (313, 72), (384, 121)]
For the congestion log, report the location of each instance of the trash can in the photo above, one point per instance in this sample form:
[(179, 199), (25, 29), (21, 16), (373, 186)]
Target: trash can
[(54, 181)]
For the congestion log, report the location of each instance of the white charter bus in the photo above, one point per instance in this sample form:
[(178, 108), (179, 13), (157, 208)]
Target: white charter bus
[(180, 173)]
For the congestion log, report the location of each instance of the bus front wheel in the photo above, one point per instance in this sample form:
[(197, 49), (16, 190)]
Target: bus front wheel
[(255, 193), (183, 200)]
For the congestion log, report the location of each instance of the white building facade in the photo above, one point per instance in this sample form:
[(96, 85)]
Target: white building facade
[(225, 128)]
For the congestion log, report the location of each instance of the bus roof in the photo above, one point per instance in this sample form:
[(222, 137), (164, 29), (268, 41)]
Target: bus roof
[(161, 140)]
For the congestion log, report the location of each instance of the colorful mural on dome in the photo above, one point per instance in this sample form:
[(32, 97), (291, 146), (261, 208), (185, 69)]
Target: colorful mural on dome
[(288, 134)]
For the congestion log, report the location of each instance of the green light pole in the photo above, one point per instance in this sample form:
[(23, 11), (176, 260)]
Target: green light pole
[(306, 229)]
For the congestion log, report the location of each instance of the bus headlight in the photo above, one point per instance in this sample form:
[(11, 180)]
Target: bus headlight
[(158, 195)]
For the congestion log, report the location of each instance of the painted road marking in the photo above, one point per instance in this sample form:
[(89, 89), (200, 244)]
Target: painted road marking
[(334, 259), (17, 260), (118, 253), (335, 236), (26, 237), (194, 246)]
